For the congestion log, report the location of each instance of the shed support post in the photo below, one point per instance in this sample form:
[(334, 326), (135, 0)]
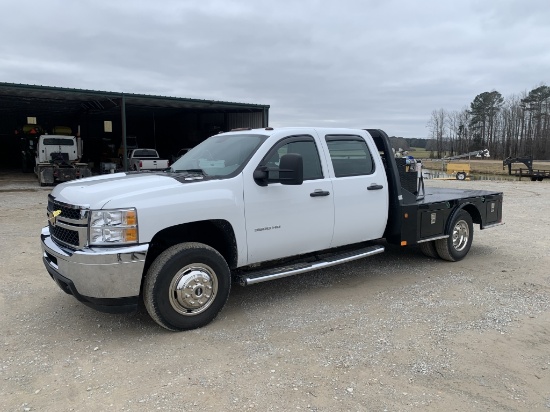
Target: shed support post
[(123, 122), (265, 118)]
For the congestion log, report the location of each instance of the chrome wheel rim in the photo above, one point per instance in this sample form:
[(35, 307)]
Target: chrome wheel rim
[(461, 234), (193, 289)]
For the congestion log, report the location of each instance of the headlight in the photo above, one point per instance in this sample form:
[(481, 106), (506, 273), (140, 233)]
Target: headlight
[(109, 227)]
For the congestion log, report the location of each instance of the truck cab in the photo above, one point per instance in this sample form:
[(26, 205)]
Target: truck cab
[(56, 148), (342, 183)]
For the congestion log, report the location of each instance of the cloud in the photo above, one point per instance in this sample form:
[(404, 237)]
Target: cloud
[(384, 64)]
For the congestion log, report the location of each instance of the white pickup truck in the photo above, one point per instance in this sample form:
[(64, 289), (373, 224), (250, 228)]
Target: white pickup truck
[(244, 207), (146, 159)]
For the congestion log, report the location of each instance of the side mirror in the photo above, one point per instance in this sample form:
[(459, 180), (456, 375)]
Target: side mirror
[(261, 175), (291, 169)]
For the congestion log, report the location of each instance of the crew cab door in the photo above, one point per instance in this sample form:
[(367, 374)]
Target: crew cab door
[(360, 189), (287, 220)]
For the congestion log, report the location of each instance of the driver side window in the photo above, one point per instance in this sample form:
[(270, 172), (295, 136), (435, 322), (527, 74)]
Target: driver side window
[(304, 147)]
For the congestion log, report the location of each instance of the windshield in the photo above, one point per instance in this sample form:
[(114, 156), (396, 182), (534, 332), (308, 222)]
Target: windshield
[(219, 155)]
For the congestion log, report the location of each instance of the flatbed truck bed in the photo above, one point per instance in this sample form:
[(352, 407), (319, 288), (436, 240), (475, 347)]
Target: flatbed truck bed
[(425, 215)]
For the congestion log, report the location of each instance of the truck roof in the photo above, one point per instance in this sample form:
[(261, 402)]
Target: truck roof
[(267, 131), (60, 136)]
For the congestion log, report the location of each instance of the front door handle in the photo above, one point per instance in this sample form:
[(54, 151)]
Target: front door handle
[(375, 186), (319, 192)]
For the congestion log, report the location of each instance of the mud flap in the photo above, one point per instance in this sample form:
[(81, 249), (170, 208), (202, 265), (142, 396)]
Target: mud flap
[(46, 176), (66, 174)]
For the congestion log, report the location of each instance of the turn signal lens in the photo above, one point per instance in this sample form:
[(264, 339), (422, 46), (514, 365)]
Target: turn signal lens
[(131, 235), (131, 217)]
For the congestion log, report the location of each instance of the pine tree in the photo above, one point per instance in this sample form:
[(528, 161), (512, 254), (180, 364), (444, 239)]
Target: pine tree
[(484, 110)]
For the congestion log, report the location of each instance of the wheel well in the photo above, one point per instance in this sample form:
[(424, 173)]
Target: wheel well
[(473, 212), (217, 234)]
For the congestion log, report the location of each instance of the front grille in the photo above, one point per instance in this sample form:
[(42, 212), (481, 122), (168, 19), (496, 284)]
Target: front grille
[(68, 212), (70, 227), (67, 236)]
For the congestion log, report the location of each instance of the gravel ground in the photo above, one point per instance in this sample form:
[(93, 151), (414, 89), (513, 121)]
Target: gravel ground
[(395, 332)]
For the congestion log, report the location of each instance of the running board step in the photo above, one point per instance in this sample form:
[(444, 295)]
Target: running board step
[(250, 278)]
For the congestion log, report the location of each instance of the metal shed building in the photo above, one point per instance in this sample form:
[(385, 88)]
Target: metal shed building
[(105, 119)]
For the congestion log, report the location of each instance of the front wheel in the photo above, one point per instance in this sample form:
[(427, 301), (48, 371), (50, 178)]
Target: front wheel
[(186, 286), (457, 245)]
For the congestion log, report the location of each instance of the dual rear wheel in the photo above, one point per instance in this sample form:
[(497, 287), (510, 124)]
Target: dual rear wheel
[(457, 245)]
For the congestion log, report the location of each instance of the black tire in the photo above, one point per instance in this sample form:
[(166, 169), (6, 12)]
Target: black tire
[(460, 176), (457, 245), (194, 267), (428, 249)]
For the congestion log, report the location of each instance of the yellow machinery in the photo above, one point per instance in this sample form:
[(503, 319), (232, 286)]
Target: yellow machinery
[(460, 170)]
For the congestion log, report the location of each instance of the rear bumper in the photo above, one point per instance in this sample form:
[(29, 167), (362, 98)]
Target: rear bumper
[(106, 279)]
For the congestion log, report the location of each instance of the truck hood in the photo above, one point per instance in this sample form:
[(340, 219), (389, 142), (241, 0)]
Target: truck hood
[(95, 192)]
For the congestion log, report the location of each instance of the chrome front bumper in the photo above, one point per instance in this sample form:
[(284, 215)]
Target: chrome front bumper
[(101, 274)]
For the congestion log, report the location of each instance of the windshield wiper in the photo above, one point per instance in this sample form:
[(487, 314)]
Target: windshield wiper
[(191, 171)]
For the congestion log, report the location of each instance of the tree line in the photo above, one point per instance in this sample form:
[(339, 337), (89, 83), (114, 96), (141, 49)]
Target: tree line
[(516, 126)]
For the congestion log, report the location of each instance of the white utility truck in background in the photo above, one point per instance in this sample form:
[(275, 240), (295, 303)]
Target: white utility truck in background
[(58, 157), (244, 207)]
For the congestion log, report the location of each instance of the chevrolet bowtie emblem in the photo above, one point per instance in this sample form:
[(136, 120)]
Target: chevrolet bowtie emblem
[(52, 216)]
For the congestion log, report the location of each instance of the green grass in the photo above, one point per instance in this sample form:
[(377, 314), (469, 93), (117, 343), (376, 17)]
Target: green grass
[(419, 153)]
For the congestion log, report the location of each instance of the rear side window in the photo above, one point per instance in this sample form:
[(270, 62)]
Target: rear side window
[(350, 156)]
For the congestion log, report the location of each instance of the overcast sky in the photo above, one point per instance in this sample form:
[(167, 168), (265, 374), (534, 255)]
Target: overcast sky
[(368, 63)]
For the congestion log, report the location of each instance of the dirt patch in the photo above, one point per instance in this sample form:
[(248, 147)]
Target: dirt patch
[(397, 331)]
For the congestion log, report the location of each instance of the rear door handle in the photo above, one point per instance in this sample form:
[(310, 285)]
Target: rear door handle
[(375, 186), (319, 192)]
